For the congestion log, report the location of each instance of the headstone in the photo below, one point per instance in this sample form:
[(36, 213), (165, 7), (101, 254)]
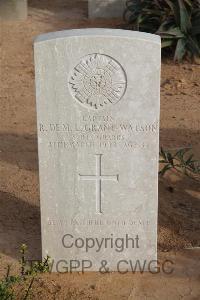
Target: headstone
[(13, 10), (106, 8), (98, 121)]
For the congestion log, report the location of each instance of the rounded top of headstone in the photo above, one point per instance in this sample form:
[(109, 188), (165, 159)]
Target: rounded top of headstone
[(99, 32)]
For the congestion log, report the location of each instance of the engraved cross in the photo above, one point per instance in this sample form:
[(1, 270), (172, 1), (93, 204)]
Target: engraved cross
[(99, 178)]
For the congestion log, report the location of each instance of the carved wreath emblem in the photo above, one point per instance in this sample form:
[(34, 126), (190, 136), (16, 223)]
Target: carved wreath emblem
[(97, 80)]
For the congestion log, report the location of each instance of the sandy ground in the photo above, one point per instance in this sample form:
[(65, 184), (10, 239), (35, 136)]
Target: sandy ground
[(179, 197)]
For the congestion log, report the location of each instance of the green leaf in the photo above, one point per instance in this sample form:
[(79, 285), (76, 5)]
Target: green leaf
[(166, 24), (167, 43), (162, 161), (180, 50), (132, 18), (170, 157), (175, 9), (152, 12), (193, 45), (173, 32), (165, 169), (188, 2), (185, 17), (189, 159), (163, 154)]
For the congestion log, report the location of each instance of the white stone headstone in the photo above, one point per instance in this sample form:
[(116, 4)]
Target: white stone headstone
[(106, 8), (98, 135), (13, 10)]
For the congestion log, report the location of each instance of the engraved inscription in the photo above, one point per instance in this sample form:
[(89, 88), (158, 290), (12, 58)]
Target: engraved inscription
[(99, 178), (102, 132), (97, 80), (135, 222)]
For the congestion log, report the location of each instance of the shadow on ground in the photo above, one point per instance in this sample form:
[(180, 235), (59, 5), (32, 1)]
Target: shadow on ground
[(19, 150), (19, 223)]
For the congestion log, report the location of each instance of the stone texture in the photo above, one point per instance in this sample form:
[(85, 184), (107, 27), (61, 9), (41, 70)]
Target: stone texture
[(106, 8), (97, 96), (13, 10)]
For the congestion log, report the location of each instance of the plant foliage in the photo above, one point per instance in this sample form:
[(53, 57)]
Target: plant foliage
[(35, 268), (177, 22), (181, 161), (27, 273), (6, 286)]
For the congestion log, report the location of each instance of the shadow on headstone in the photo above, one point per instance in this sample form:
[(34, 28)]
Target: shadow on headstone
[(13, 10)]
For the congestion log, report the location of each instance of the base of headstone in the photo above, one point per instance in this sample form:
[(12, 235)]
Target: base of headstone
[(13, 10), (106, 8)]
